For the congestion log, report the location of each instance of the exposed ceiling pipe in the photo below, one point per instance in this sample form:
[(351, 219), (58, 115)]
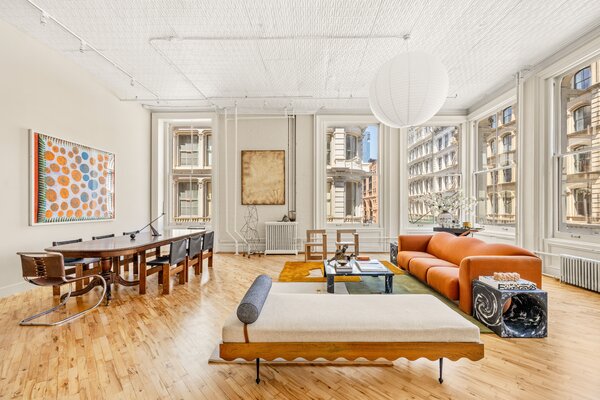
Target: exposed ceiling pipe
[(85, 45)]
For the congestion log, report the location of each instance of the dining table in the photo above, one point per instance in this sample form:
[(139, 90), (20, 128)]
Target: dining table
[(111, 250)]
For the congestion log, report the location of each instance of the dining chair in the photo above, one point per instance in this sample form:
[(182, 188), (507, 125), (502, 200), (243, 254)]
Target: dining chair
[(315, 239), (342, 234), (166, 266), (110, 235), (195, 253), (48, 269), (207, 248), (83, 266)]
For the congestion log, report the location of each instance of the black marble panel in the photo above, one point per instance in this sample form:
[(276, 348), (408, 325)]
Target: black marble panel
[(511, 313), (394, 253)]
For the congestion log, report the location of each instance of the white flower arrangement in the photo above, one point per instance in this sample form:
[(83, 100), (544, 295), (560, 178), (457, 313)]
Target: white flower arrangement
[(452, 202)]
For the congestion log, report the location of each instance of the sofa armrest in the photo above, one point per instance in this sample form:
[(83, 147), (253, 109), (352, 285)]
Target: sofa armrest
[(413, 242), (530, 268)]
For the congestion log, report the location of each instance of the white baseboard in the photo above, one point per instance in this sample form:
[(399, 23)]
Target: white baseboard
[(13, 288)]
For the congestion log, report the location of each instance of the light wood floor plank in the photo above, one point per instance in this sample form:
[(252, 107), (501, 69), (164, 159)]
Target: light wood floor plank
[(157, 347)]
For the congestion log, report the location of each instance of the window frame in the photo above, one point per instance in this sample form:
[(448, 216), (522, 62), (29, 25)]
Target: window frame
[(562, 135), (440, 153), (502, 159)]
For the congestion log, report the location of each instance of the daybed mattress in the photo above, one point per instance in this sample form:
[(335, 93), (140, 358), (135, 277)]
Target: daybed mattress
[(353, 318)]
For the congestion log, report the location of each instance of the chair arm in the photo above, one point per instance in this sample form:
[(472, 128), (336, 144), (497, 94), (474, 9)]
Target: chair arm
[(530, 268), (413, 242)]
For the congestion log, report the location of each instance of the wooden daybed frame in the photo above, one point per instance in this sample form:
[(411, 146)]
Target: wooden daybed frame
[(352, 350)]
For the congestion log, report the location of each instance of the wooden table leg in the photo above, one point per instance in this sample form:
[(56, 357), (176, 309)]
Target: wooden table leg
[(142, 275), (136, 263), (107, 275), (165, 279)]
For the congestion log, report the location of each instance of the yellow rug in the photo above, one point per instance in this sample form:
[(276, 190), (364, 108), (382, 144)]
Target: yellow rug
[(300, 271)]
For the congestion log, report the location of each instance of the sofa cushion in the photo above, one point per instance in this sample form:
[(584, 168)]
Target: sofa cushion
[(454, 249), (419, 266), (404, 257), (444, 280)]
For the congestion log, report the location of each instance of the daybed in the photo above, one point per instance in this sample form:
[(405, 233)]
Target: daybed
[(311, 326)]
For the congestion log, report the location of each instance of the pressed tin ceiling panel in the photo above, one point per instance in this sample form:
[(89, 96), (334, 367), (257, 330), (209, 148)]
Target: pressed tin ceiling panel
[(304, 54)]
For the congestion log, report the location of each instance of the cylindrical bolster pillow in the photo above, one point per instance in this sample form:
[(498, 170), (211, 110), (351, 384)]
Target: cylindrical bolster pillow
[(252, 303)]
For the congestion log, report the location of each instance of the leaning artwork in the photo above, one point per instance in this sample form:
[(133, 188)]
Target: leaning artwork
[(70, 182)]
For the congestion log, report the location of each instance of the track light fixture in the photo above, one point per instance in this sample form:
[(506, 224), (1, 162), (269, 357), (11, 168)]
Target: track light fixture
[(82, 46), (132, 82), (44, 18)]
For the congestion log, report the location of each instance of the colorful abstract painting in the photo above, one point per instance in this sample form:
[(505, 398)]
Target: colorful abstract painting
[(71, 182)]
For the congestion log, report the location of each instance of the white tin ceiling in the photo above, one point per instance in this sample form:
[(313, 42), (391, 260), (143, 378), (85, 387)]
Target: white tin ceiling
[(304, 54)]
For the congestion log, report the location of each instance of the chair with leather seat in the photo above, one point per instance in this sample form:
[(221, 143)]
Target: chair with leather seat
[(48, 269), (167, 266), (341, 239), (83, 266), (207, 248), (195, 253)]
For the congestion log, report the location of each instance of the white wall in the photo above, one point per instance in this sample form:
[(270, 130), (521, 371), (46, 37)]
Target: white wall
[(257, 132), (43, 90)]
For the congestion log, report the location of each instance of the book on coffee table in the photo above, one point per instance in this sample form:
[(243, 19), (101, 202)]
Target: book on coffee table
[(371, 266), (521, 284)]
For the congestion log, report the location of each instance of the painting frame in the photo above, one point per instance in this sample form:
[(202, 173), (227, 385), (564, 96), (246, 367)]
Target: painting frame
[(38, 171), (265, 169)]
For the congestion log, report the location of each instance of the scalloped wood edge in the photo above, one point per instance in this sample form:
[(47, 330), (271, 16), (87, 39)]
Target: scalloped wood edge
[(352, 350)]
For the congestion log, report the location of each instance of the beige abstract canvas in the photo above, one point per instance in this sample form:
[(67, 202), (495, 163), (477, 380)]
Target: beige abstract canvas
[(263, 177)]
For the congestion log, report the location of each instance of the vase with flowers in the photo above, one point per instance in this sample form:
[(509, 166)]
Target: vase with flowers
[(445, 205)]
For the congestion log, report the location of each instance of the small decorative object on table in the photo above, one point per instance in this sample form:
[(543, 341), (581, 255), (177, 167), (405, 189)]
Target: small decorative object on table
[(444, 219), (445, 205), (511, 311)]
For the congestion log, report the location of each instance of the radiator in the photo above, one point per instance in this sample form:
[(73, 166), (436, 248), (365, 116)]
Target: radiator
[(281, 238), (579, 271)]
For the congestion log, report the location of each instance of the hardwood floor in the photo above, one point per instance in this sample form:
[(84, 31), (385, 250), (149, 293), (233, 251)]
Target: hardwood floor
[(157, 346)]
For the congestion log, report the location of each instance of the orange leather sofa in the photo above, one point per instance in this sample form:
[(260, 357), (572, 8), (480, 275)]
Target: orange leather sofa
[(449, 264)]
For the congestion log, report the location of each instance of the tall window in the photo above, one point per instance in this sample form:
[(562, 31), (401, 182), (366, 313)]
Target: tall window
[(436, 169), (579, 158), (352, 190), (191, 174), (496, 158)]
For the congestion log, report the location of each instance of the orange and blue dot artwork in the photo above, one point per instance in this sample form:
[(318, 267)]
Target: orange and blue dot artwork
[(72, 182)]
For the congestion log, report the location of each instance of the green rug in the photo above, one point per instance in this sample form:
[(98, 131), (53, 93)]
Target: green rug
[(407, 284)]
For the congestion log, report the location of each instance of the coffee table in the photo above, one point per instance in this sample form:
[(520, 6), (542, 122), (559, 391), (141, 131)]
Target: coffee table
[(330, 273)]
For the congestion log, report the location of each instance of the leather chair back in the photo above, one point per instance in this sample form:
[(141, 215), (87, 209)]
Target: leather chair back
[(110, 235), (42, 265), (178, 251), (195, 247), (209, 238)]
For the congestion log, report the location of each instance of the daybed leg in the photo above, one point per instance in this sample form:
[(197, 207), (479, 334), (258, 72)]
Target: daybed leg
[(257, 371), (441, 366)]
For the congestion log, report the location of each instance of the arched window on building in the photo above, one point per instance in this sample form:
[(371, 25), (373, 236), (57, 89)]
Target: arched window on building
[(583, 78), (582, 118), (582, 161), (582, 201)]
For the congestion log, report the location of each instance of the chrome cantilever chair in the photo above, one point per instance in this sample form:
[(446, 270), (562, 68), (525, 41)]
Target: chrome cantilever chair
[(48, 269), (83, 266)]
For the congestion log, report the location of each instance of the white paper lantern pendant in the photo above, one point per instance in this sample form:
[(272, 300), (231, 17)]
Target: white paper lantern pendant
[(409, 89)]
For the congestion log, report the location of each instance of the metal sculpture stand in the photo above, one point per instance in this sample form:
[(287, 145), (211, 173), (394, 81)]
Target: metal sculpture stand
[(249, 232)]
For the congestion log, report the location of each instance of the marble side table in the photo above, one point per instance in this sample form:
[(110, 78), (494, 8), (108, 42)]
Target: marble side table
[(526, 314), (394, 253)]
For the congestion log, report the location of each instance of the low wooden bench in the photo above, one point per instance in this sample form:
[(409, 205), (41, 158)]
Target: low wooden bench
[(311, 326)]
